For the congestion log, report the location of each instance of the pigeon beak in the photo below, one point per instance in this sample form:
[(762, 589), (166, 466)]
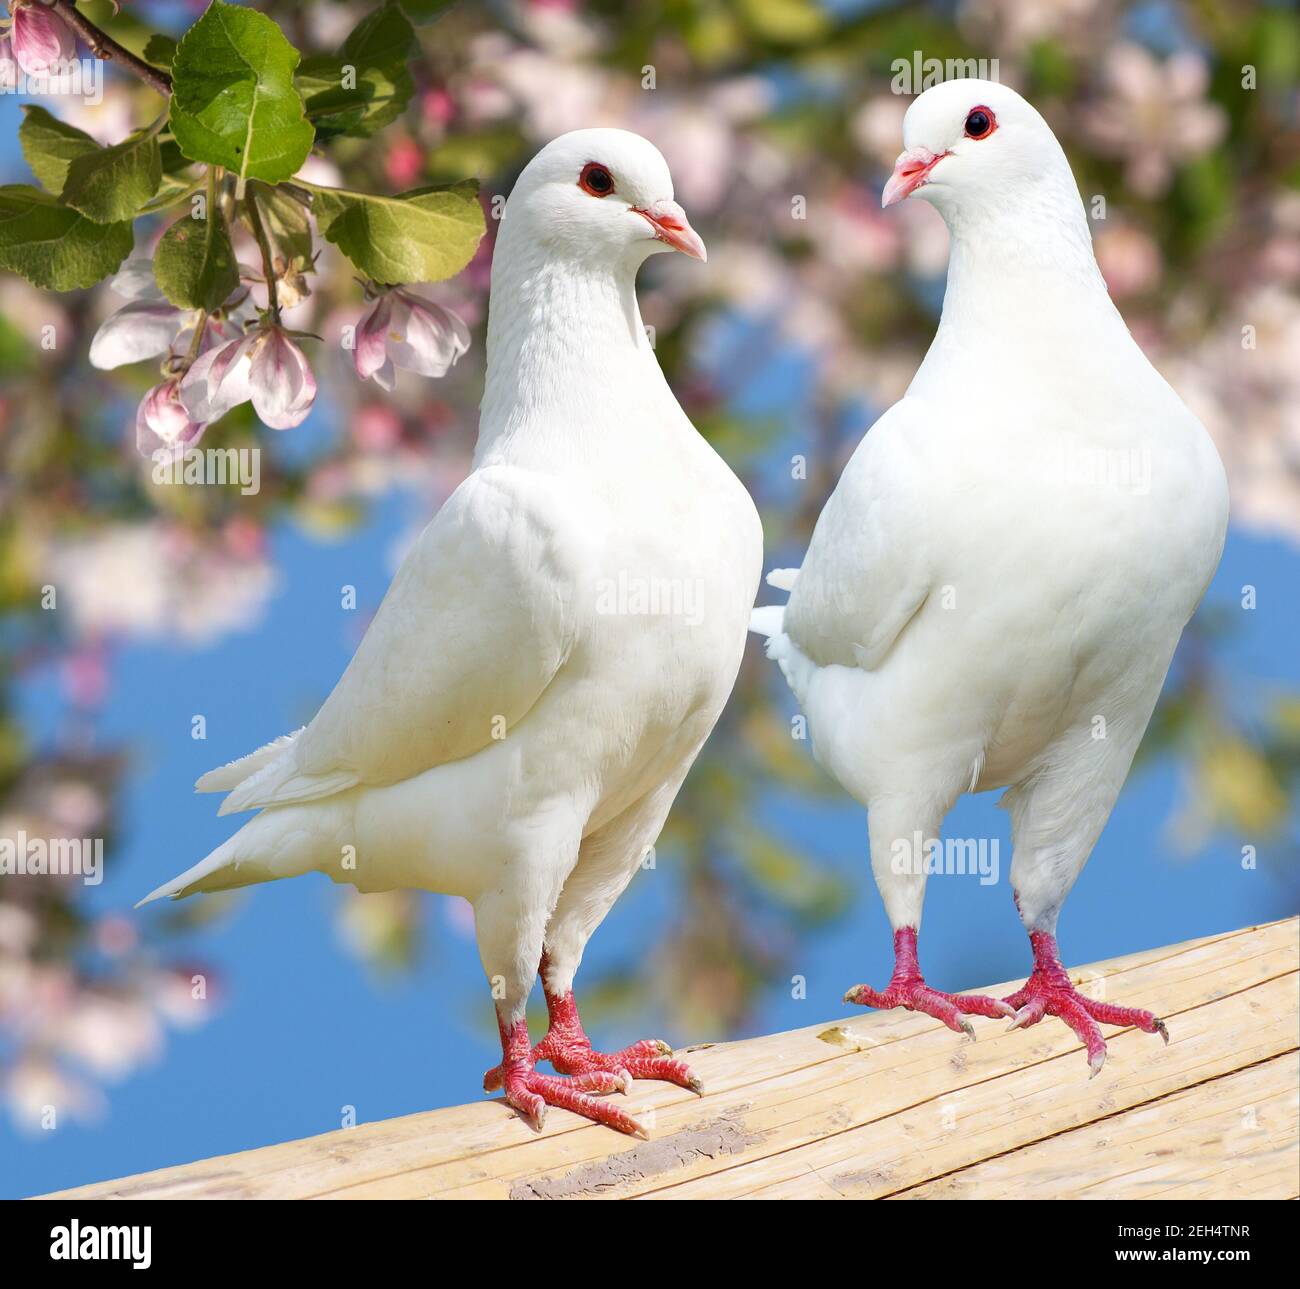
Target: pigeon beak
[(670, 225), (911, 171)]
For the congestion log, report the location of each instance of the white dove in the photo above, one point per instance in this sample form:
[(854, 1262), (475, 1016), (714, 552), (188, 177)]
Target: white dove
[(554, 649), (993, 593)]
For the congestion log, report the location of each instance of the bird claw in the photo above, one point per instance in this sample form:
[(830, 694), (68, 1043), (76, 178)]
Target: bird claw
[(1028, 1015), (916, 995), (649, 1059), (530, 1093), (1049, 991)]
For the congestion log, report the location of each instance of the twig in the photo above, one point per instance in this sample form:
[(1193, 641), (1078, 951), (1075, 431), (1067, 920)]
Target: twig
[(268, 255), (102, 45)]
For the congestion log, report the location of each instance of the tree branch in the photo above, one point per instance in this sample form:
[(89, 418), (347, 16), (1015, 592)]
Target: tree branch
[(102, 45)]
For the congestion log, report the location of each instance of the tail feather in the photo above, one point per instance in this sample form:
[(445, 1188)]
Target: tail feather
[(276, 843), (215, 873), (767, 621), (229, 776)]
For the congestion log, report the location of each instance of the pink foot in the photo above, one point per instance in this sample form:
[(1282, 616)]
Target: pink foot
[(908, 989), (530, 1093), (569, 1050), (1049, 991)]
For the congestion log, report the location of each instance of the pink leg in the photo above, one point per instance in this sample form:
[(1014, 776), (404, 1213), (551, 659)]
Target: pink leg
[(530, 1093), (569, 1050), (908, 989), (1049, 991)]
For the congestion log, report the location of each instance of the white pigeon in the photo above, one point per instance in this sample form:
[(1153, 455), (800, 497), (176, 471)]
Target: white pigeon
[(554, 649), (993, 593)]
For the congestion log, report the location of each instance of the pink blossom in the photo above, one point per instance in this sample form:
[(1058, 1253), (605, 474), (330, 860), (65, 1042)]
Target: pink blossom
[(148, 326), (1155, 115), (162, 423), (139, 330), (40, 39), (437, 106), (217, 380), (405, 330), (283, 386), (266, 367), (404, 162), (376, 427)]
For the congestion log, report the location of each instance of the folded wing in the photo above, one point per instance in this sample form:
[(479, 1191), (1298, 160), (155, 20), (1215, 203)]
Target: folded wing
[(478, 621), (868, 570)]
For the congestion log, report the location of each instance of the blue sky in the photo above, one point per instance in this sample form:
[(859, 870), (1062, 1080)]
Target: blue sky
[(303, 1030)]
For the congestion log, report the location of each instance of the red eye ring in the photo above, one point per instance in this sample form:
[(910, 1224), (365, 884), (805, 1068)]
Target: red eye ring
[(596, 180), (980, 122)]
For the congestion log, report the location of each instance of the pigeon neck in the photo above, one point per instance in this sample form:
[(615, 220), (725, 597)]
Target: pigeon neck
[(565, 347), (1017, 268), (1024, 295)]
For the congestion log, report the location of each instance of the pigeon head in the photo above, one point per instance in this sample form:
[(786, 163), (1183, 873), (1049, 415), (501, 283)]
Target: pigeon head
[(974, 145), (600, 194)]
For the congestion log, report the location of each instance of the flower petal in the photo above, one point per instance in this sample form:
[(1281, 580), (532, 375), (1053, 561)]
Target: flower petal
[(161, 422), (217, 380), (432, 339), (41, 40), (139, 330), (282, 383), (370, 344), (136, 281)]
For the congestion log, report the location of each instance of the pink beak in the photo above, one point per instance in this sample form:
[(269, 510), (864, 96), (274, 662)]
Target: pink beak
[(911, 170), (669, 221)]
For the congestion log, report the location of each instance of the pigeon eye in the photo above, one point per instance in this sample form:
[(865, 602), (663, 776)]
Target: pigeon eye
[(980, 123), (596, 180)]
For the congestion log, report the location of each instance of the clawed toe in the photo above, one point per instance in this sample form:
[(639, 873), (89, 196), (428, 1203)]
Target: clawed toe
[(1049, 991), (951, 1009), (530, 1093), (644, 1060)]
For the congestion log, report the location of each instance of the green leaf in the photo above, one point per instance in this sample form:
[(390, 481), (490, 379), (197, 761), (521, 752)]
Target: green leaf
[(195, 263), (160, 51), (233, 98), (173, 159), (113, 183), (54, 246), (287, 224), (369, 84), (51, 145), (422, 11), (420, 236)]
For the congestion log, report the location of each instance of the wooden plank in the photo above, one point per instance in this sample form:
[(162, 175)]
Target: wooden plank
[(952, 1127), (1233, 1136), (771, 1098)]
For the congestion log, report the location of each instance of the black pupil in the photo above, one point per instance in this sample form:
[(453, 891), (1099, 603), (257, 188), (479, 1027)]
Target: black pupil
[(977, 123), (599, 180)]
